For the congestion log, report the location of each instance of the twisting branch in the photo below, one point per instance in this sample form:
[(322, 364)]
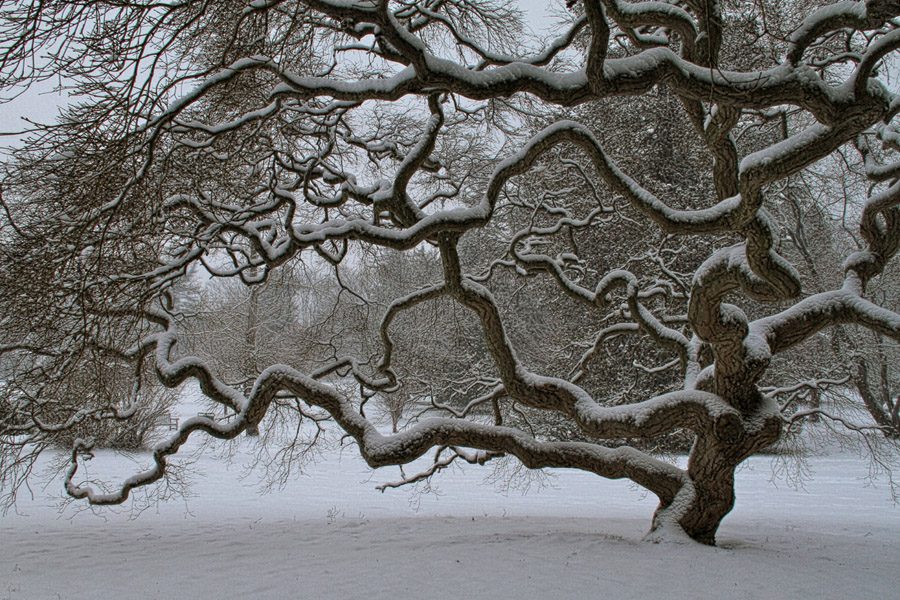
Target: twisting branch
[(246, 142)]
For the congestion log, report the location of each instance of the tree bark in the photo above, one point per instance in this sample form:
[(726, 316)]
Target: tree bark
[(875, 408)]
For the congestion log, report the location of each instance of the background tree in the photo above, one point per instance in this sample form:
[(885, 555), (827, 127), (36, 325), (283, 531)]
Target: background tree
[(249, 138)]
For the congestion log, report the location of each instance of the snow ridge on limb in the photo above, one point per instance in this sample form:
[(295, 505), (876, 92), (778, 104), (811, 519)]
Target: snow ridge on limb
[(663, 479), (865, 15), (880, 228), (761, 273), (716, 218), (632, 16), (755, 266), (785, 84), (809, 316), (282, 149)]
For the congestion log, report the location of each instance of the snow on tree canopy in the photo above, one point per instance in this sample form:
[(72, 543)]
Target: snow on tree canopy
[(663, 229)]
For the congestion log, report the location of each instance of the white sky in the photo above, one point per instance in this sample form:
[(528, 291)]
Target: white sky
[(40, 103)]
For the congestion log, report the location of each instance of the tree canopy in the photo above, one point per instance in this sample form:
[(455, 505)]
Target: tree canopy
[(558, 249)]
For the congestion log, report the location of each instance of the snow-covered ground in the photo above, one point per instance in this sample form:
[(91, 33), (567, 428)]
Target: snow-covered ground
[(330, 534)]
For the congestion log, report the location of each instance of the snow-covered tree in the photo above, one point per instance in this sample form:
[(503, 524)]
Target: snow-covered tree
[(247, 138)]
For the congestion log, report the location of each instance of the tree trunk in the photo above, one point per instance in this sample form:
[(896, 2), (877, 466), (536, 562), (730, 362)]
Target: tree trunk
[(700, 513), (252, 367), (711, 467), (881, 416)]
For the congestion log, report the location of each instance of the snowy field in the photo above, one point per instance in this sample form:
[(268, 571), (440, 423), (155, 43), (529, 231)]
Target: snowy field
[(330, 534)]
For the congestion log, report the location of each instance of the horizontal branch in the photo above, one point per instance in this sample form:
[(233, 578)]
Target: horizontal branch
[(809, 316)]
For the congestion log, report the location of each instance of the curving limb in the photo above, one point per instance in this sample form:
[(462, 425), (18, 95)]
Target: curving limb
[(637, 232)]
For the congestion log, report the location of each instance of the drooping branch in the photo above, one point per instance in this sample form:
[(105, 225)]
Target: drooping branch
[(398, 305), (305, 143), (860, 16), (378, 450)]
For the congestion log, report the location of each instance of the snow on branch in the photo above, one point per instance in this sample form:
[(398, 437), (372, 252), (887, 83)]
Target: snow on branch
[(217, 144)]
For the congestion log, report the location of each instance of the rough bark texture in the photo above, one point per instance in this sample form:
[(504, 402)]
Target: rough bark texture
[(239, 140)]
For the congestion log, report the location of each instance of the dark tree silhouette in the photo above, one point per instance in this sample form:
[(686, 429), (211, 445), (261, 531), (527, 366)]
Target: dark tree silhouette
[(248, 137)]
